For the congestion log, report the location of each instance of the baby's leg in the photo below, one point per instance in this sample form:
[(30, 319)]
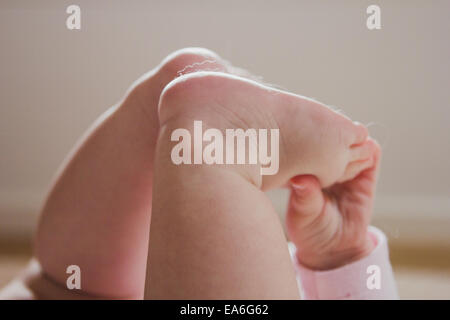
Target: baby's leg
[(97, 214), (214, 233)]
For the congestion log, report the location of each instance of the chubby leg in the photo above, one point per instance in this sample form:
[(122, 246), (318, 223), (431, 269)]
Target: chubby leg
[(214, 233), (97, 214)]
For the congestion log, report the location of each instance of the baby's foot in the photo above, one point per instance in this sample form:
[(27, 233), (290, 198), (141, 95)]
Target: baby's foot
[(313, 139)]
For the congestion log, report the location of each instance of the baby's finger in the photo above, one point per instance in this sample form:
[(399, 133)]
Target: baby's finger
[(307, 197)]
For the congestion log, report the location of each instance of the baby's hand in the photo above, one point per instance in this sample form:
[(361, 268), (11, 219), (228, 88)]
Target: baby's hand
[(329, 227)]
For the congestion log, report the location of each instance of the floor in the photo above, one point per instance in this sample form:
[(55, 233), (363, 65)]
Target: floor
[(419, 283), (413, 282)]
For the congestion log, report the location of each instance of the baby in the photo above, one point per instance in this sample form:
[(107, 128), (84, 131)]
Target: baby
[(213, 233)]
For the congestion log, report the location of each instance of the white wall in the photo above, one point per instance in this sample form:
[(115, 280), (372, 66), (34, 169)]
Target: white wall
[(54, 82)]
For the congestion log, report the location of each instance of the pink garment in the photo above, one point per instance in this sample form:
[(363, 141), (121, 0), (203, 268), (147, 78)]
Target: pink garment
[(353, 280)]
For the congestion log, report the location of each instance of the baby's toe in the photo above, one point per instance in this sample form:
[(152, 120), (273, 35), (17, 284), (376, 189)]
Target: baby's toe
[(362, 151), (359, 133), (361, 158), (355, 168)]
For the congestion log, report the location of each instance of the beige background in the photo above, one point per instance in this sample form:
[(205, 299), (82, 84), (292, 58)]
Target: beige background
[(55, 82)]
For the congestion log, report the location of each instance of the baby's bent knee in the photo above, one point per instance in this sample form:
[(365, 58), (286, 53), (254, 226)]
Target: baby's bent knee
[(190, 60)]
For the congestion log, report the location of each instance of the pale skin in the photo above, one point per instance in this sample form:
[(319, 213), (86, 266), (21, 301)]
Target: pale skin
[(202, 245), (246, 256)]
